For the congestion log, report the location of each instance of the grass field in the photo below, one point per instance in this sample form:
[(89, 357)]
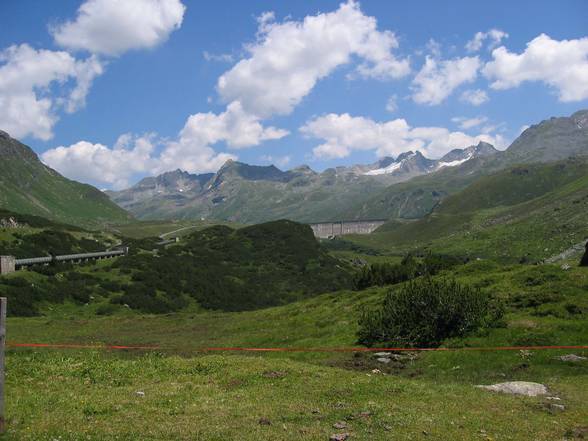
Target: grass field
[(142, 229), (194, 395)]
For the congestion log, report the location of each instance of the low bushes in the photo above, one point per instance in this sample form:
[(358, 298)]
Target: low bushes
[(381, 274), (425, 312)]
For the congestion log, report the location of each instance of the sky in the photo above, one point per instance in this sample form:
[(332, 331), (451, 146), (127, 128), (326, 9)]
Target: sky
[(107, 91)]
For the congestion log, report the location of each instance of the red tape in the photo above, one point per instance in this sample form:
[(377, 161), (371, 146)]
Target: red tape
[(245, 349)]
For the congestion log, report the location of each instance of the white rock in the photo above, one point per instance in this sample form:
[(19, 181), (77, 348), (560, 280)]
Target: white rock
[(572, 357), (517, 388), (382, 354), (140, 393), (383, 360)]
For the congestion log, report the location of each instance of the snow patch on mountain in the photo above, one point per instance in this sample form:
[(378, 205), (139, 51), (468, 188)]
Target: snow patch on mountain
[(453, 163)]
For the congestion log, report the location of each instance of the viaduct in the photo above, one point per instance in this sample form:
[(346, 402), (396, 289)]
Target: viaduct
[(325, 230), (9, 264)]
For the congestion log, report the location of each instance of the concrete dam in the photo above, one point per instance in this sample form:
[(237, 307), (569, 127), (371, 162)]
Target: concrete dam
[(325, 230)]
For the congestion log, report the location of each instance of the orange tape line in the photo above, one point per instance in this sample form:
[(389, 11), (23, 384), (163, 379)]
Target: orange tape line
[(245, 349)]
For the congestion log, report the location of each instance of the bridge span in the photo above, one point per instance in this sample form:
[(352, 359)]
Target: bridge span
[(9, 264)]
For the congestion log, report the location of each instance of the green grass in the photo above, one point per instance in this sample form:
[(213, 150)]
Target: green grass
[(93, 396), (143, 229), (195, 395)]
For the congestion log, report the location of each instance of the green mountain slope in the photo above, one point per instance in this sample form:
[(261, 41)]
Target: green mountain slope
[(526, 213), (28, 186), (551, 140)]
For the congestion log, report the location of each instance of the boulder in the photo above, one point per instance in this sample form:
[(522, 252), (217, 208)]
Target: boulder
[(572, 357), (526, 388)]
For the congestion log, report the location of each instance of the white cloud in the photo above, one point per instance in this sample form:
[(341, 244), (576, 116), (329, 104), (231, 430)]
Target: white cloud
[(494, 35), (222, 58), (288, 58), (392, 104), (35, 84), (191, 151), (280, 161), (437, 79), (475, 97), (344, 133), (111, 27), (85, 161), (234, 126), (562, 64), (467, 123)]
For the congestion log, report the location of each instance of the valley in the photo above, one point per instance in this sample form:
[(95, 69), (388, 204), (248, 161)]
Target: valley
[(508, 230)]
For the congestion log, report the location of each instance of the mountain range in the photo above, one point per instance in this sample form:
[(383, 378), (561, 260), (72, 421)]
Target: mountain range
[(250, 193), (408, 186)]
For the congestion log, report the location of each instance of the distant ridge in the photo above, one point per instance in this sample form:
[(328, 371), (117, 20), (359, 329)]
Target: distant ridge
[(254, 193)]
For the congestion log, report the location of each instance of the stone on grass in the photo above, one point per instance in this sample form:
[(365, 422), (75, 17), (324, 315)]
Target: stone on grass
[(572, 357), (526, 388), (140, 393), (383, 360), (339, 437), (382, 354), (340, 425)]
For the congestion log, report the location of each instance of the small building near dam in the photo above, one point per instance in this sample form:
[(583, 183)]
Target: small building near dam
[(325, 230)]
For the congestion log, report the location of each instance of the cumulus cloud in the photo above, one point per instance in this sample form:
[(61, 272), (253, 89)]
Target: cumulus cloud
[(495, 37), (35, 84), (344, 133), (111, 27), (288, 58), (561, 64), (192, 150), (392, 104), (467, 123), (437, 79), (221, 58), (475, 97), (280, 161), (85, 161)]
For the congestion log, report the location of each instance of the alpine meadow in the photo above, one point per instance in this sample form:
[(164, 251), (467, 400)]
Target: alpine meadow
[(337, 220)]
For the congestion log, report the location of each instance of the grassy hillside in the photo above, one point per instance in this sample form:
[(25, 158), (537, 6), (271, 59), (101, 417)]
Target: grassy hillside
[(291, 396), (169, 228), (34, 236), (28, 186), (525, 213), (216, 268)]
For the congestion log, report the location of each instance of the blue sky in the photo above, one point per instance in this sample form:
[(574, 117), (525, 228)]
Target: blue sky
[(107, 96)]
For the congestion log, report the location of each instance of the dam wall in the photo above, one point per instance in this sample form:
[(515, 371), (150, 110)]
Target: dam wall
[(325, 230)]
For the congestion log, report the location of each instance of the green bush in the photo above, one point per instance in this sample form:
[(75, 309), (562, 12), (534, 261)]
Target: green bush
[(106, 309), (381, 274), (424, 312)]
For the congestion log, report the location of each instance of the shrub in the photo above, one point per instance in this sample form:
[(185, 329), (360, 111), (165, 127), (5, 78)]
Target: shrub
[(380, 274), (425, 312), (584, 260), (106, 309)]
